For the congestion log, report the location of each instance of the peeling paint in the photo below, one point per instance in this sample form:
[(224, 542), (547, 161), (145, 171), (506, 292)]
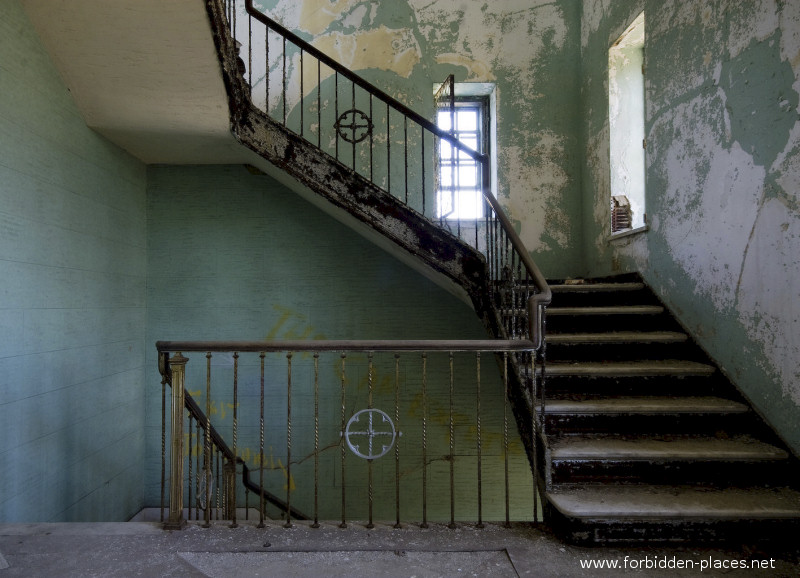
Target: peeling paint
[(384, 49), (723, 175)]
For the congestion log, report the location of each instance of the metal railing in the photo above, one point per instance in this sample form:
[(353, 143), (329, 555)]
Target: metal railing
[(360, 126), (409, 431)]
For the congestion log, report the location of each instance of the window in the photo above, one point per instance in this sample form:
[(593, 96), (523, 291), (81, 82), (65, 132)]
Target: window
[(626, 114), (459, 179)]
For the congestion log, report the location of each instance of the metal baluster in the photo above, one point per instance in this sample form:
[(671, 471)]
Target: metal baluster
[(163, 439), (424, 441), (288, 523), (370, 525), (452, 452), (283, 86), (197, 451), (261, 448), (353, 98), (371, 142), (302, 93), (505, 435), (422, 139), (344, 449), (316, 441), (479, 440), (388, 151), (405, 154), (319, 104), (189, 473), (250, 51), (218, 485), (266, 71), (235, 436), (397, 438), (208, 456), (336, 111)]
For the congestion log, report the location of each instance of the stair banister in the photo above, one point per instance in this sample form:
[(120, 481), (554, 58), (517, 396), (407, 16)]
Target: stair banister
[(538, 301), (357, 80)]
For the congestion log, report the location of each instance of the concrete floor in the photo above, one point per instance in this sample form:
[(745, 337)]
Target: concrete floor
[(144, 549)]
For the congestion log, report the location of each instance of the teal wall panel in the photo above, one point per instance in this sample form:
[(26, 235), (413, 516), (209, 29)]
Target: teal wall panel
[(72, 300)]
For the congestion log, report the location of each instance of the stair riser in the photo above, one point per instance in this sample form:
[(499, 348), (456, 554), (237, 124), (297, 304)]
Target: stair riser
[(610, 322), (561, 386), (711, 473), (603, 298), (644, 423), (612, 531), (622, 352)]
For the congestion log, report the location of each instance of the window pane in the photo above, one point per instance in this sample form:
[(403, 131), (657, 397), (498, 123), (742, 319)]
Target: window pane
[(466, 119)]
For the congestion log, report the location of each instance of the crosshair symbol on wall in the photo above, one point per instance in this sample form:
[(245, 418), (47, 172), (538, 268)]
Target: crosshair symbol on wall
[(353, 125), (378, 437)]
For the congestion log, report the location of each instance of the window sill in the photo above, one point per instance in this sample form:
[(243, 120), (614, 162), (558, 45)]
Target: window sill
[(628, 233)]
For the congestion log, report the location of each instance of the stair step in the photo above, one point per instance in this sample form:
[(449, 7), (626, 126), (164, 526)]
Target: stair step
[(646, 405), (610, 310), (742, 448), (676, 502), (595, 287), (618, 337), (673, 368)]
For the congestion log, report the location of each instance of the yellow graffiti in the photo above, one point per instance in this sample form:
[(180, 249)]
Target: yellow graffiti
[(292, 325)]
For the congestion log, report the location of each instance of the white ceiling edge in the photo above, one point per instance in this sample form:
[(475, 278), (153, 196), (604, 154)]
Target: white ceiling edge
[(144, 74)]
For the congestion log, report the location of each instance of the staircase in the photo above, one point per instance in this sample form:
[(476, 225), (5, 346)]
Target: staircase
[(645, 440), (636, 435)]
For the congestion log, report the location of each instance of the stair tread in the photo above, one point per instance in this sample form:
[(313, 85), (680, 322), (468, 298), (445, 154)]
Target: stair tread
[(630, 368), (580, 287), (607, 310), (683, 502), (679, 448), (619, 337), (646, 405)]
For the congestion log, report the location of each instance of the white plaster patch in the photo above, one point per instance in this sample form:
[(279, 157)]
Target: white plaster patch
[(769, 293), (497, 34), (763, 22), (534, 195), (477, 69), (790, 36), (712, 202), (383, 48), (591, 18)]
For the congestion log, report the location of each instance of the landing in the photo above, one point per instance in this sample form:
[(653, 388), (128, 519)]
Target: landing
[(142, 548)]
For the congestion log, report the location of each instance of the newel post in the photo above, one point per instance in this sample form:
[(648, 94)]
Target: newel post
[(177, 367)]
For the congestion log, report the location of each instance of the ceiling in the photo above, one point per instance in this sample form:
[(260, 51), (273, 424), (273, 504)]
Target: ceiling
[(144, 74)]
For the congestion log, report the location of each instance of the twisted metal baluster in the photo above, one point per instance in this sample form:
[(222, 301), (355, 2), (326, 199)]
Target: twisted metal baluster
[(370, 525), (344, 450), (424, 441), (480, 448), (235, 438), (397, 441), (261, 448), (316, 441), (288, 523)]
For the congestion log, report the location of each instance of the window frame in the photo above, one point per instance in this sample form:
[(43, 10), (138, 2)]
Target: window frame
[(481, 103)]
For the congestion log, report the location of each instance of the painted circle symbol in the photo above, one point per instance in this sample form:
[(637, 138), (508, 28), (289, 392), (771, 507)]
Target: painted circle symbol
[(376, 434)]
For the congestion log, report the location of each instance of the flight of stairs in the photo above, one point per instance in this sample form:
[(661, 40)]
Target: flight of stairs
[(647, 441)]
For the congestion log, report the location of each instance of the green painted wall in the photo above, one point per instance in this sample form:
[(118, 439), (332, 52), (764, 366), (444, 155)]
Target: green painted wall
[(723, 249), (528, 49), (72, 300), (235, 256)]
